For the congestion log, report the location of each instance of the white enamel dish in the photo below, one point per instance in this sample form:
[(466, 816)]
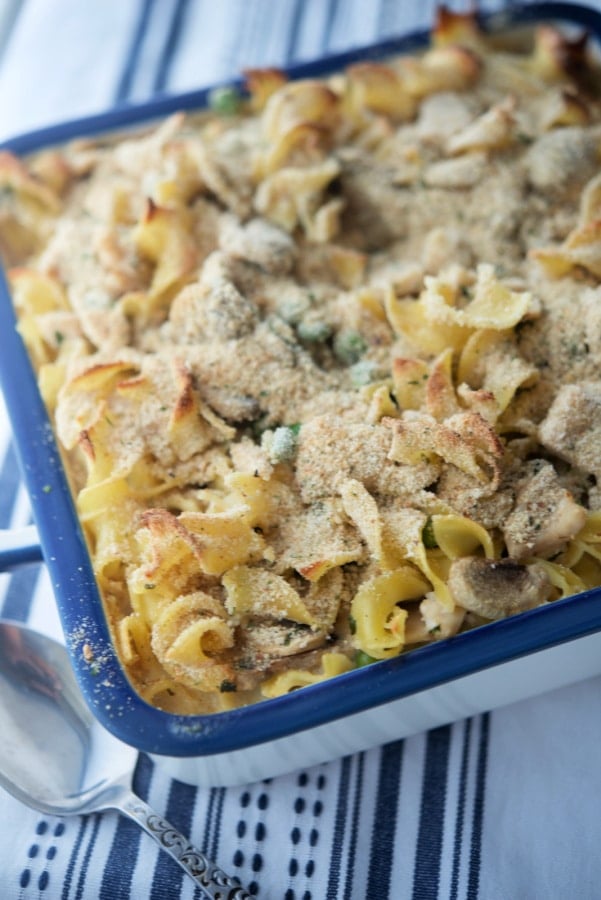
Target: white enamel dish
[(481, 669)]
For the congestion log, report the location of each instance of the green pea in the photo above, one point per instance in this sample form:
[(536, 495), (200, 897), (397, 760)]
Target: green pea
[(363, 659), (428, 536), (349, 347), (225, 100)]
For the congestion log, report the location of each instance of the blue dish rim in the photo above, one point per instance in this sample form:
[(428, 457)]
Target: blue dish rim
[(104, 685)]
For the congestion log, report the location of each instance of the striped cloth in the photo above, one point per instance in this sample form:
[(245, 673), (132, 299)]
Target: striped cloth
[(503, 806)]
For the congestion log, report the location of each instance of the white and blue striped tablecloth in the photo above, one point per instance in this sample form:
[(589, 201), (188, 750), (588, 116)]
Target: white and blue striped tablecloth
[(503, 806)]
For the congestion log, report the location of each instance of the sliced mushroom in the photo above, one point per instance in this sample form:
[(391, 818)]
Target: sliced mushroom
[(495, 588), (272, 640)]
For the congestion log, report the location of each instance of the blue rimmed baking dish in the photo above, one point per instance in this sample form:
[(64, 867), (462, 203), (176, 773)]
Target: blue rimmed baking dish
[(480, 669)]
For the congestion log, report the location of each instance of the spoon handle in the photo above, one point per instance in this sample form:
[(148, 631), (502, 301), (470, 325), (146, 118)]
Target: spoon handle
[(215, 884)]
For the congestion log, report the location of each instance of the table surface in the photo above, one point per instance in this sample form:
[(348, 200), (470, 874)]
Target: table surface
[(502, 806)]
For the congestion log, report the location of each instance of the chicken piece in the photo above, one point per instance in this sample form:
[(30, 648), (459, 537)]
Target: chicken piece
[(264, 372), (375, 210), (572, 428), (544, 517), (260, 242), (495, 588), (57, 326), (218, 313), (212, 309), (562, 158), (438, 619)]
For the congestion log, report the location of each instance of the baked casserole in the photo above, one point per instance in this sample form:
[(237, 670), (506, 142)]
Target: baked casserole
[(322, 360)]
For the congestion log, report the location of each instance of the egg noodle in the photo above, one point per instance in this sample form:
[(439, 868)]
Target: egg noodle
[(324, 361)]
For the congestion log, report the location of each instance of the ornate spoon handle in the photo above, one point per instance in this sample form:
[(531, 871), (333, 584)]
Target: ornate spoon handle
[(215, 883)]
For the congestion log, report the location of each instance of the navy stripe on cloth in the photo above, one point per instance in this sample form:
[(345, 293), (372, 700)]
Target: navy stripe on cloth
[(352, 851), (257, 26), (81, 881), (18, 596), (386, 14), (19, 593), (161, 78), (384, 824), (460, 813), (431, 817), (295, 19), (339, 829), (126, 79), (122, 856), (473, 883), (216, 836), (208, 825), (180, 812), (9, 486), (251, 32), (327, 33), (211, 831), (73, 859)]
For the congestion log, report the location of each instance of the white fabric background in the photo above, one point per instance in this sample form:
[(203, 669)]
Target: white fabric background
[(501, 807)]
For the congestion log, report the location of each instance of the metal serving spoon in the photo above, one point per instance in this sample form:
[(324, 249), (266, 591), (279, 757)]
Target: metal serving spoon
[(55, 757)]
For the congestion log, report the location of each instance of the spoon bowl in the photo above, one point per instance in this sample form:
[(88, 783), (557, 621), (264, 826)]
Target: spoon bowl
[(55, 757)]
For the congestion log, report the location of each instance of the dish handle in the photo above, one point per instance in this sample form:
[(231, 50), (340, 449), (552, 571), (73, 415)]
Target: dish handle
[(19, 547)]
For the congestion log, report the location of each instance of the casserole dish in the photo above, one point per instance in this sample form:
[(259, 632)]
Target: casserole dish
[(435, 684)]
